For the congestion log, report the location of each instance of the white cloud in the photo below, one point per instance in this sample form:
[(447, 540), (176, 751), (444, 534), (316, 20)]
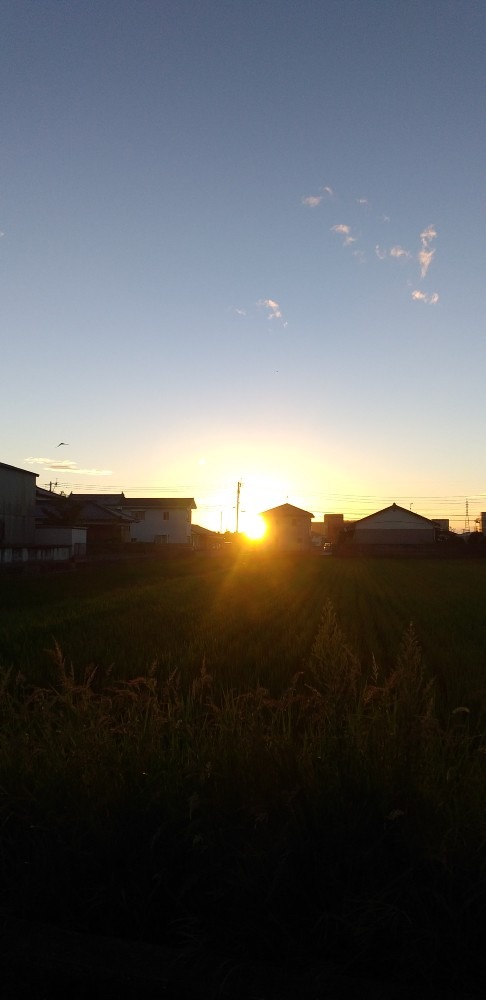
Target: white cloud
[(274, 310), (429, 299), (345, 231), (52, 465), (428, 234), (426, 255), (329, 191), (363, 201), (380, 252), (312, 201), (425, 258), (400, 252)]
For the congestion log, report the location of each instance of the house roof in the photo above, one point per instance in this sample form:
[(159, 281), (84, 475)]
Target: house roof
[(137, 503), (286, 510), (159, 503), (402, 510), (197, 529), (13, 468), (108, 499), (97, 513)]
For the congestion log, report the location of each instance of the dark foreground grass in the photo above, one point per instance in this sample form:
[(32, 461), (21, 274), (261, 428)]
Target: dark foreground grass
[(270, 781)]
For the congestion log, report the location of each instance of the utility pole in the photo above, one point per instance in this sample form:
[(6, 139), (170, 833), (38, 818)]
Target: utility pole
[(238, 491)]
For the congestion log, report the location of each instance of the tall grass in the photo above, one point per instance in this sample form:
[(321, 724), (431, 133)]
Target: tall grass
[(340, 817)]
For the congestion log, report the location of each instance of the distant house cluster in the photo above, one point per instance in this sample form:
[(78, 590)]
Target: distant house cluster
[(37, 525)]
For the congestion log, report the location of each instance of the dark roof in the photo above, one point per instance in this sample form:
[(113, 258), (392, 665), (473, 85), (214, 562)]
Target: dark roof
[(108, 499), (198, 529), (136, 503), (97, 513), (13, 468), (286, 510), (159, 503), (394, 506)]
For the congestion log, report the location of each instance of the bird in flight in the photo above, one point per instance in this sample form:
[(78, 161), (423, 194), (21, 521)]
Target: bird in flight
[(62, 442)]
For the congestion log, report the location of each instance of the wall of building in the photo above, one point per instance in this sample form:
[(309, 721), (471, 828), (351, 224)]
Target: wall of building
[(19, 554), (287, 533), (394, 527), (17, 506), (173, 529), (73, 538)]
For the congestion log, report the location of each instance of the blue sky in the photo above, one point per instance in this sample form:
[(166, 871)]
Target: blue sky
[(246, 242)]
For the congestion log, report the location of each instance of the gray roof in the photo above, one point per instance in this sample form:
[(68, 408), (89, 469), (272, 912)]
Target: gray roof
[(286, 510), (108, 499), (136, 503), (394, 506), (13, 468), (160, 503)]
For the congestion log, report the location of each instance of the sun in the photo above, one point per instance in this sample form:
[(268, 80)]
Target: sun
[(254, 527)]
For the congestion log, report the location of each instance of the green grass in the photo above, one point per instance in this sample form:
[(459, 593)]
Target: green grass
[(261, 756)]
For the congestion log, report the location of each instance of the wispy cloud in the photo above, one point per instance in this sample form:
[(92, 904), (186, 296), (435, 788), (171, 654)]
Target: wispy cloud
[(398, 252), (52, 465), (430, 299), (345, 231), (312, 201), (426, 255), (363, 201), (273, 309), (329, 191), (395, 252)]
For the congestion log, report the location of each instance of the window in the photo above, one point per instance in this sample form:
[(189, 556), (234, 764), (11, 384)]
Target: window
[(166, 515)]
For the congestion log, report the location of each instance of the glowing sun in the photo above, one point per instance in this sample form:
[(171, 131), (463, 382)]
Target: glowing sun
[(254, 527)]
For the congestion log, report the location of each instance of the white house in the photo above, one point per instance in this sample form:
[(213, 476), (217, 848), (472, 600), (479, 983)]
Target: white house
[(287, 528), (159, 520), (165, 521), (393, 525)]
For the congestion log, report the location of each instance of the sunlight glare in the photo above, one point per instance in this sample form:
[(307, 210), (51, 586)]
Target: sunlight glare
[(254, 527)]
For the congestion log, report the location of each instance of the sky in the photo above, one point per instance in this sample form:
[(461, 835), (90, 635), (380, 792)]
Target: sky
[(244, 242)]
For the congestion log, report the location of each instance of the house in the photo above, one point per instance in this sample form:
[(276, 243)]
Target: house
[(287, 528), (165, 521), (17, 506), (54, 523), (81, 521), (329, 530), (159, 520), (393, 525), (205, 540), (21, 543)]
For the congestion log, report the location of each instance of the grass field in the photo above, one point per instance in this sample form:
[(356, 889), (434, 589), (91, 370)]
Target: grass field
[(281, 758)]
